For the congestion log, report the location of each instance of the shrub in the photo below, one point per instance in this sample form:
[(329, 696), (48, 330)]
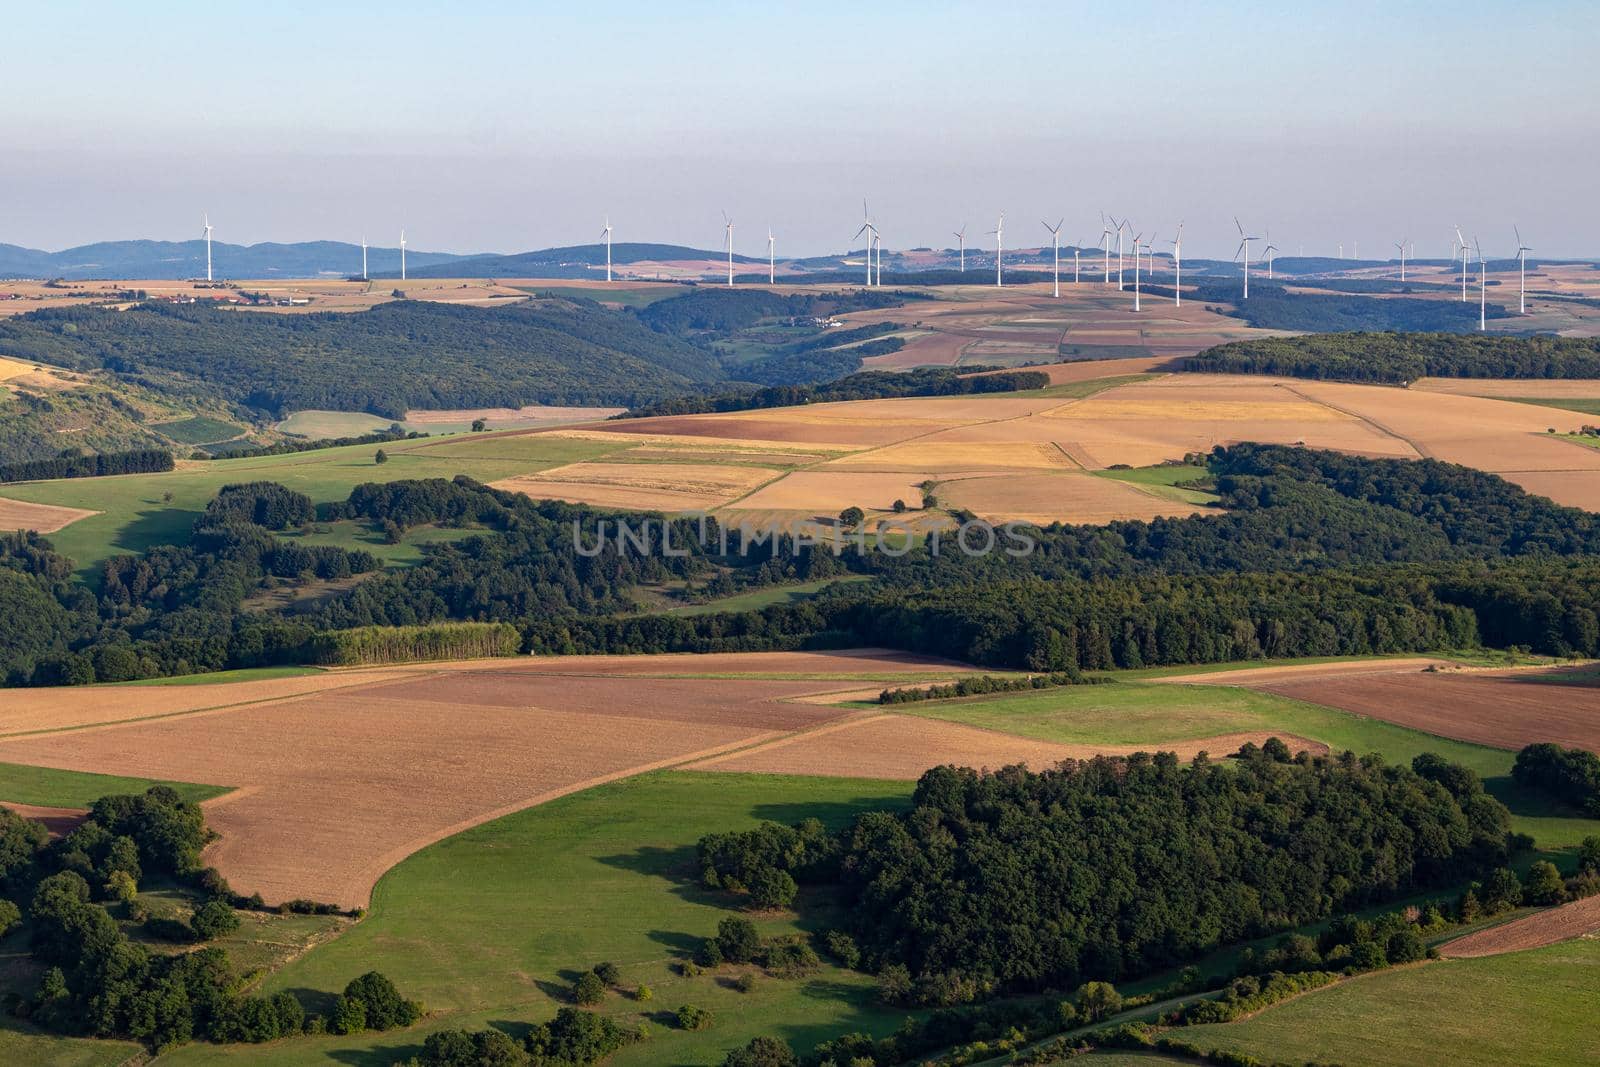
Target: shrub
[(709, 953), (380, 457), (772, 888), (1368, 956), (349, 1016), (642, 994), (762, 1052), (121, 887), (1589, 854), (745, 982), (894, 984), (792, 959), (1502, 890), (842, 947), (608, 973), (851, 516), (1543, 884), (588, 990), (1405, 946), (577, 1037), (690, 1017), (213, 919), (10, 917), (1096, 1000), (384, 1008)]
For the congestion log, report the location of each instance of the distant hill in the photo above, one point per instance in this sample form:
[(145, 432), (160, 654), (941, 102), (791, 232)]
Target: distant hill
[(575, 261), (187, 259)]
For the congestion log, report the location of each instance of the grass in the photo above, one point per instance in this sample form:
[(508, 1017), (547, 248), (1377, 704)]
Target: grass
[(632, 298), (1517, 1008), (349, 534), (51, 788), (141, 510), (21, 1043), (314, 425), (606, 874), (1079, 390), (1170, 481), (240, 674), (198, 430), (1566, 403), (1135, 713), (757, 599)]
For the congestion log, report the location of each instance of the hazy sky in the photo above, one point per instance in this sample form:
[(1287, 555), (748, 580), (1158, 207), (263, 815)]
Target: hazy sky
[(511, 126)]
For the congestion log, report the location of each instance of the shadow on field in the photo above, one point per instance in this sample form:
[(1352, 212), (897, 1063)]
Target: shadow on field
[(835, 815), (680, 943), (314, 1001), (375, 1057)]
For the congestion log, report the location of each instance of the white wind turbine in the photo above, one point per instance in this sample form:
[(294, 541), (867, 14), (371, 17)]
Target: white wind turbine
[(1177, 268), (1483, 288), (364, 274), (1055, 250), (772, 258), (1522, 269), (1267, 251), (872, 232), (1120, 227), (402, 255), (727, 239), (1105, 243), (999, 232), (877, 242), (1244, 246), (606, 234), (1136, 239), (208, 246), (1077, 248), (1402, 247), (1461, 242), (961, 238)]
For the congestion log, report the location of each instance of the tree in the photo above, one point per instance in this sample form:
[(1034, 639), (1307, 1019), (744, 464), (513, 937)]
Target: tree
[(1405, 946), (121, 887), (1543, 884), (1096, 1000), (608, 973), (690, 1017), (349, 1015), (10, 916), (738, 939), (588, 990), (1502, 890), (852, 517), (772, 888), (384, 1007), (762, 1052), (900, 507), (380, 456), (215, 918), (479, 425), (1589, 854)]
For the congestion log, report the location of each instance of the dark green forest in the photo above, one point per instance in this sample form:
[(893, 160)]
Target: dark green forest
[(1402, 358), (865, 385), (1272, 306)]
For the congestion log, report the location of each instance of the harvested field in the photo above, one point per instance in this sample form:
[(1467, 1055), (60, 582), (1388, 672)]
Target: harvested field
[(1249, 676), (1066, 496), (768, 427), (1502, 709), (45, 518), (335, 788), (873, 745), (1577, 918), (58, 821), (847, 663), (642, 486), (1088, 370), (1540, 388), (942, 456), (528, 413), (828, 492)]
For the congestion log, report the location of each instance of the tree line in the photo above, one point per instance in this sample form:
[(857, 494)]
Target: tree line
[(74, 464), (866, 385), (1399, 359)]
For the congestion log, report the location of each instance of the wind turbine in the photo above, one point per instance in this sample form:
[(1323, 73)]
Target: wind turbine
[(364, 274), (877, 242), (961, 237), (402, 255), (1483, 288), (1076, 250), (1461, 242), (1267, 251), (1402, 247), (1244, 246), (772, 259), (999, 232), (1055, 249), (1120, 227), (1136, 238), (207, 247), (1105, 242), (606, 233), (727, 239), (872, 232), (1177, 268), (1522, 269)]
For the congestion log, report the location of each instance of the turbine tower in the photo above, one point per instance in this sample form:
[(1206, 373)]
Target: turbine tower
[(772, 259), (1177, 268), (207, 247), (364, 274), (871, 231), (1244, 246), (1483, 288), (1077, 248), (961, 238), (402, 255), (1120, 227), (727, 239), (606, 234), (1461, 242), (1136, 239), (1522, 269), (1402, 247), (1267, 251), (1055, 250), (999, 232)]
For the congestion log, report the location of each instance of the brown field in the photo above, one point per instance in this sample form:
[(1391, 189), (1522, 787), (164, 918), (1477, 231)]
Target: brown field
[(945, 456), (1502, 709), (541, 413), (875, 745), (1543, 389), (1088, 370), (57, 821), (641, 486), (45, 518), (1065, 496), (828, 492), (332, 788), (1575, 919), (1301, 672)]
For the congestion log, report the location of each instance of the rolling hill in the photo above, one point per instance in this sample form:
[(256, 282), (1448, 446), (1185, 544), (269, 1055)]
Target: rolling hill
[(187, 259)]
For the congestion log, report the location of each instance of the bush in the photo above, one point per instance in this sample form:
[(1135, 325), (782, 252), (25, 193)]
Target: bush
[(772, 888), (842, 947), (643, 994), (690, 1017), (588, 990), (1544, 885), (213, 919), (762, 1052), (1405, 946), (10, 917), (349, 1016), (577, 1037), (1096, 1000), (852, 517), (1589, 854), (608, 973), (745, 982), (709, 953), (792, 959), (121, 887), (384, 1008)]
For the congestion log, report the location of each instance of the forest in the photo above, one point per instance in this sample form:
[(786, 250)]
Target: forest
[(1273, 306), (73, 464), (864, 385), (1108, 869), (1399, 359)]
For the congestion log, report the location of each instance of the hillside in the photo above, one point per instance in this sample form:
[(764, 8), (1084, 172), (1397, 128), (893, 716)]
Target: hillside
[(384, 361), (187, 259), (575, 261)]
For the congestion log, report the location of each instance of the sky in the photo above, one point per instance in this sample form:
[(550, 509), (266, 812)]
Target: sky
[(508, 127)]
